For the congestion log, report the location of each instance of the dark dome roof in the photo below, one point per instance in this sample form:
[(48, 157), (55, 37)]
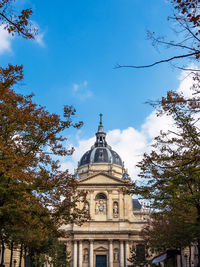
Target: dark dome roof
[(100, 155), (100, 152)]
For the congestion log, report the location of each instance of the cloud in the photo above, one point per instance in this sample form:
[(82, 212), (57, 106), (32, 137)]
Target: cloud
[(5, 41), (130, 143), (81, 91), (39, 38)]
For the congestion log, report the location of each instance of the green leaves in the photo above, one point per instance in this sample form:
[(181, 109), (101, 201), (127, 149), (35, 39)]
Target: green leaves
[(171, 176)]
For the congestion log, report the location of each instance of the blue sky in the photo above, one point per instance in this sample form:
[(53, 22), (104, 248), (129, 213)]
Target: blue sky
[(72, 61)]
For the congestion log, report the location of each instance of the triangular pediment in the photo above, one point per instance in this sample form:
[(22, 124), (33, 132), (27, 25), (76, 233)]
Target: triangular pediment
[(102, 178), (101, 249)]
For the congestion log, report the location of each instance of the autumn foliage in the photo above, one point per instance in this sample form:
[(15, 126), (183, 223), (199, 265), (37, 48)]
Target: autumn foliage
[(16, 22), (36, 196)]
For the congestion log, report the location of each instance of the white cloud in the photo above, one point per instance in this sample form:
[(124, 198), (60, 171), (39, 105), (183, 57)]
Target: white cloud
[(39, 37), (130, 143), (5, 40), (81, 91)]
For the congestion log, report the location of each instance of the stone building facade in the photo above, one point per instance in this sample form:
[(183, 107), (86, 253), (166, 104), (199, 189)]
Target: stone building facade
[(116, 219)]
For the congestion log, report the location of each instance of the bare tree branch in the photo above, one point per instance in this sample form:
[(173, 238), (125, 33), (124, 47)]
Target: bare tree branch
[(157, 62)]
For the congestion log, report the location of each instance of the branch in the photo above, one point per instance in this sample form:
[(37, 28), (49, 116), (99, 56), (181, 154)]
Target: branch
[(157, 62), (28, 35), (186, 69), (188, 29), (159, 41)]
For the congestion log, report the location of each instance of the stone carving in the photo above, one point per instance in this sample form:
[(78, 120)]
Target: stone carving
[(100, 206), (86, 255), (115, 209), (87, 206), (116, 255)]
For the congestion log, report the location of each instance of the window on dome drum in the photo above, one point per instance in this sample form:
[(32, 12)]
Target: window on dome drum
[(101, 196)]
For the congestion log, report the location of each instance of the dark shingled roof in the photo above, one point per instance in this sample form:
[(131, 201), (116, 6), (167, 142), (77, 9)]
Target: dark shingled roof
[(101, 152), (136, 204)]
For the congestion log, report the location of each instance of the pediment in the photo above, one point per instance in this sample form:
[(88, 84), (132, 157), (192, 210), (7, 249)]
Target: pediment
[(102, 178), (101, 249)]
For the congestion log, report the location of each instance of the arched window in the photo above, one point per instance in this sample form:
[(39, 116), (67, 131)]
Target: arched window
[(101, 196)]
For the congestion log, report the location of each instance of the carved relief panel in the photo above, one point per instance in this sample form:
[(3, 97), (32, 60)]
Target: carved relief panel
[(100, 204)]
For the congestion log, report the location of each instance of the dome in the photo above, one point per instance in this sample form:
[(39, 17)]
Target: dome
[(100, 152)]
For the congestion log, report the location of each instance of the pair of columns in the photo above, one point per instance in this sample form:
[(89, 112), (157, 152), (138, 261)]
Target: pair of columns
[(78, 259)]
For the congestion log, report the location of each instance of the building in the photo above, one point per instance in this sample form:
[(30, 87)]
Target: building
[(116, 218)]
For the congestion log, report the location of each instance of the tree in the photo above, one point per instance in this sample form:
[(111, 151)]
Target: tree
[(187, 44), (30, 178), (170, 172), (16, 22), (36, 197), (171, 230), (139, 255)]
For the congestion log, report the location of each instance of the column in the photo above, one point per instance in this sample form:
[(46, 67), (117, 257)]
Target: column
[(121, 206), (121, 253), (125, 207), (91, 253), (110, 253), (92, 209), (127, 252), (80, 253), (75, 254), (109, 207)]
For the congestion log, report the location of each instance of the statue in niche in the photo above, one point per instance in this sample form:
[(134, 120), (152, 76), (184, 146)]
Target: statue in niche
[(116, 255), (115, 209), (87, 206), (86, 255)]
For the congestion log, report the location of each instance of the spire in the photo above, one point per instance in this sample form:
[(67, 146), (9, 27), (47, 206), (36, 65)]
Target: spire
[(100, 128), (100, 123), (100, 135)]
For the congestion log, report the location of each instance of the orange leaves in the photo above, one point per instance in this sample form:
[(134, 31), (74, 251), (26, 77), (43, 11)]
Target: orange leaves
[(15, 23), (190, 9), (32, 185)]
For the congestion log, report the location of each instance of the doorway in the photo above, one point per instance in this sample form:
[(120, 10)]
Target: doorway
[(101, 261)]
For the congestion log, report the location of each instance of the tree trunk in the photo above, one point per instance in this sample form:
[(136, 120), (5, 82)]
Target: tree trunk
[(20, 257), (2, 253), (181, 260), (11, 255), (198, 240), (198, 248), (190, 256), (25, 257)]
